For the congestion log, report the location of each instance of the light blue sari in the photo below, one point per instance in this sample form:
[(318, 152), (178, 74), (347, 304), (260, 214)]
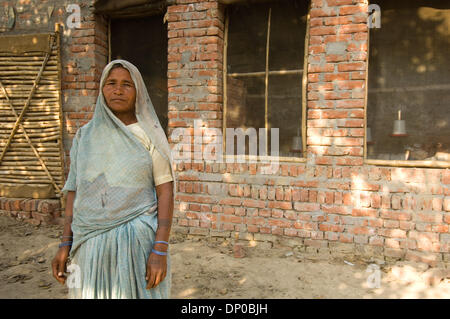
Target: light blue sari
[(115, 209)]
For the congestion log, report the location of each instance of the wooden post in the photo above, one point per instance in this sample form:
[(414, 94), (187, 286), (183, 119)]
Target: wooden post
[(224, 79), (266, 83), (305, 84)]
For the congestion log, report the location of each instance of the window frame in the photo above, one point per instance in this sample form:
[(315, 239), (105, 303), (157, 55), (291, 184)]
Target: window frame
[(267, 72)]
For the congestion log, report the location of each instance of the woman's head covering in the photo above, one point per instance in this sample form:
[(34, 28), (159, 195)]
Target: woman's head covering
[(107, 147), (145, 112)]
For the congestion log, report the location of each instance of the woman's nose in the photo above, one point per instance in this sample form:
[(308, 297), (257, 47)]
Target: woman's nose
[(118, 90)]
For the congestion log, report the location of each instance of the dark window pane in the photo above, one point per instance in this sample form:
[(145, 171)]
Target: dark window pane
[(409, 70)]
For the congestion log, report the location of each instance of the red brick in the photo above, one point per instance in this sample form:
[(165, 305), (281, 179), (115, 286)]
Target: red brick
[(337, 20), (332, 3), (440, 228), (314, 13), (353, 28), (366, 212), (447, 218), (331, 236), (389, 223), (306, 226), (306, 207), (428, 217), (230, 201), (375, 222), (347, 10), (279, 223), (362, 36), (350, 85), (350, 161), (316, 68), (446, 177), (331, 228), (376, 241), (337, 57), (316, 49), (350, 123), (290, 232), (392, 243), (346, 238), (337, 38), (395, 233), (280, 205), (328, 77), (405, 216), (358, 66), (362, 230), (256, 221), (253, 203), (350, 104), (314, 22)]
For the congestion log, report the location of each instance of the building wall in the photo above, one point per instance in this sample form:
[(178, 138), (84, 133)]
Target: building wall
[(331, 203)]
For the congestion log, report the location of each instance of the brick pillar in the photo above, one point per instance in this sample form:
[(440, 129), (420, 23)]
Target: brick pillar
[(84, 55), (336, 82), (195, 55)]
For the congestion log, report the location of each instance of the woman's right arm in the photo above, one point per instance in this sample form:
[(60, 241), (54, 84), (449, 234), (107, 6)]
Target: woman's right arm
[(60, 260)]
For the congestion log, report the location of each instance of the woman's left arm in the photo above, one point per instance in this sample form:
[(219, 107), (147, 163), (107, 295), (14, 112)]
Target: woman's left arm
[(157, 264)]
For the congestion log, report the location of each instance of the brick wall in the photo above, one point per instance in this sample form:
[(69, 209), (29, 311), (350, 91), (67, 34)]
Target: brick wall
[(333, 202)]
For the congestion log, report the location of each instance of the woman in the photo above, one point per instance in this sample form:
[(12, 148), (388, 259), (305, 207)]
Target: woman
[(120, 193)]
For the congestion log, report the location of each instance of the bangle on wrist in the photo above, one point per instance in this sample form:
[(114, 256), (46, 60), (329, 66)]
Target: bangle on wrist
[(161, 242), (160, 253), (65, 243)]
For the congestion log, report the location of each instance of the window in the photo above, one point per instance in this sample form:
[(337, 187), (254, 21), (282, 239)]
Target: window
[(264, 56), (408, 111)]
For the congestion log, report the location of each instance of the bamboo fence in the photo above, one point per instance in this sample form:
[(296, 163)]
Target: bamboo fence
[(31, 152)]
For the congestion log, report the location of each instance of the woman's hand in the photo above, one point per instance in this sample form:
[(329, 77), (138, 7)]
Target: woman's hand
[(156, 270), (59, 264)]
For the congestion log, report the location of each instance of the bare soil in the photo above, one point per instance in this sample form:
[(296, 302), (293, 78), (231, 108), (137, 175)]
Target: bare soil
[(205, 269)]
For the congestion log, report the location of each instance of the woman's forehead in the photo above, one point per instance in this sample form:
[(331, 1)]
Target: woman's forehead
[(120, 72)]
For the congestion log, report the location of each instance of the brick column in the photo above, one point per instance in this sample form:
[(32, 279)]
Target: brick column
[(336, 82), (84, 55), (195, 55)]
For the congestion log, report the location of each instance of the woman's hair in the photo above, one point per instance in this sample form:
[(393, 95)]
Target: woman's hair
[(116, 66)]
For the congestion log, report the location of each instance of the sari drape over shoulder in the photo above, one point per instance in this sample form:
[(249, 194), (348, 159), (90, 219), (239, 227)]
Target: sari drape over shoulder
[(115, 207)]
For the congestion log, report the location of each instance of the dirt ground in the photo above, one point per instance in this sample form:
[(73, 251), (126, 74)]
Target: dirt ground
[(205, 269)]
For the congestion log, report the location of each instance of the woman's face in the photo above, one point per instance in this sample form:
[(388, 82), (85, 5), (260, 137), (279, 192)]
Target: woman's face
[(119, 91)]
